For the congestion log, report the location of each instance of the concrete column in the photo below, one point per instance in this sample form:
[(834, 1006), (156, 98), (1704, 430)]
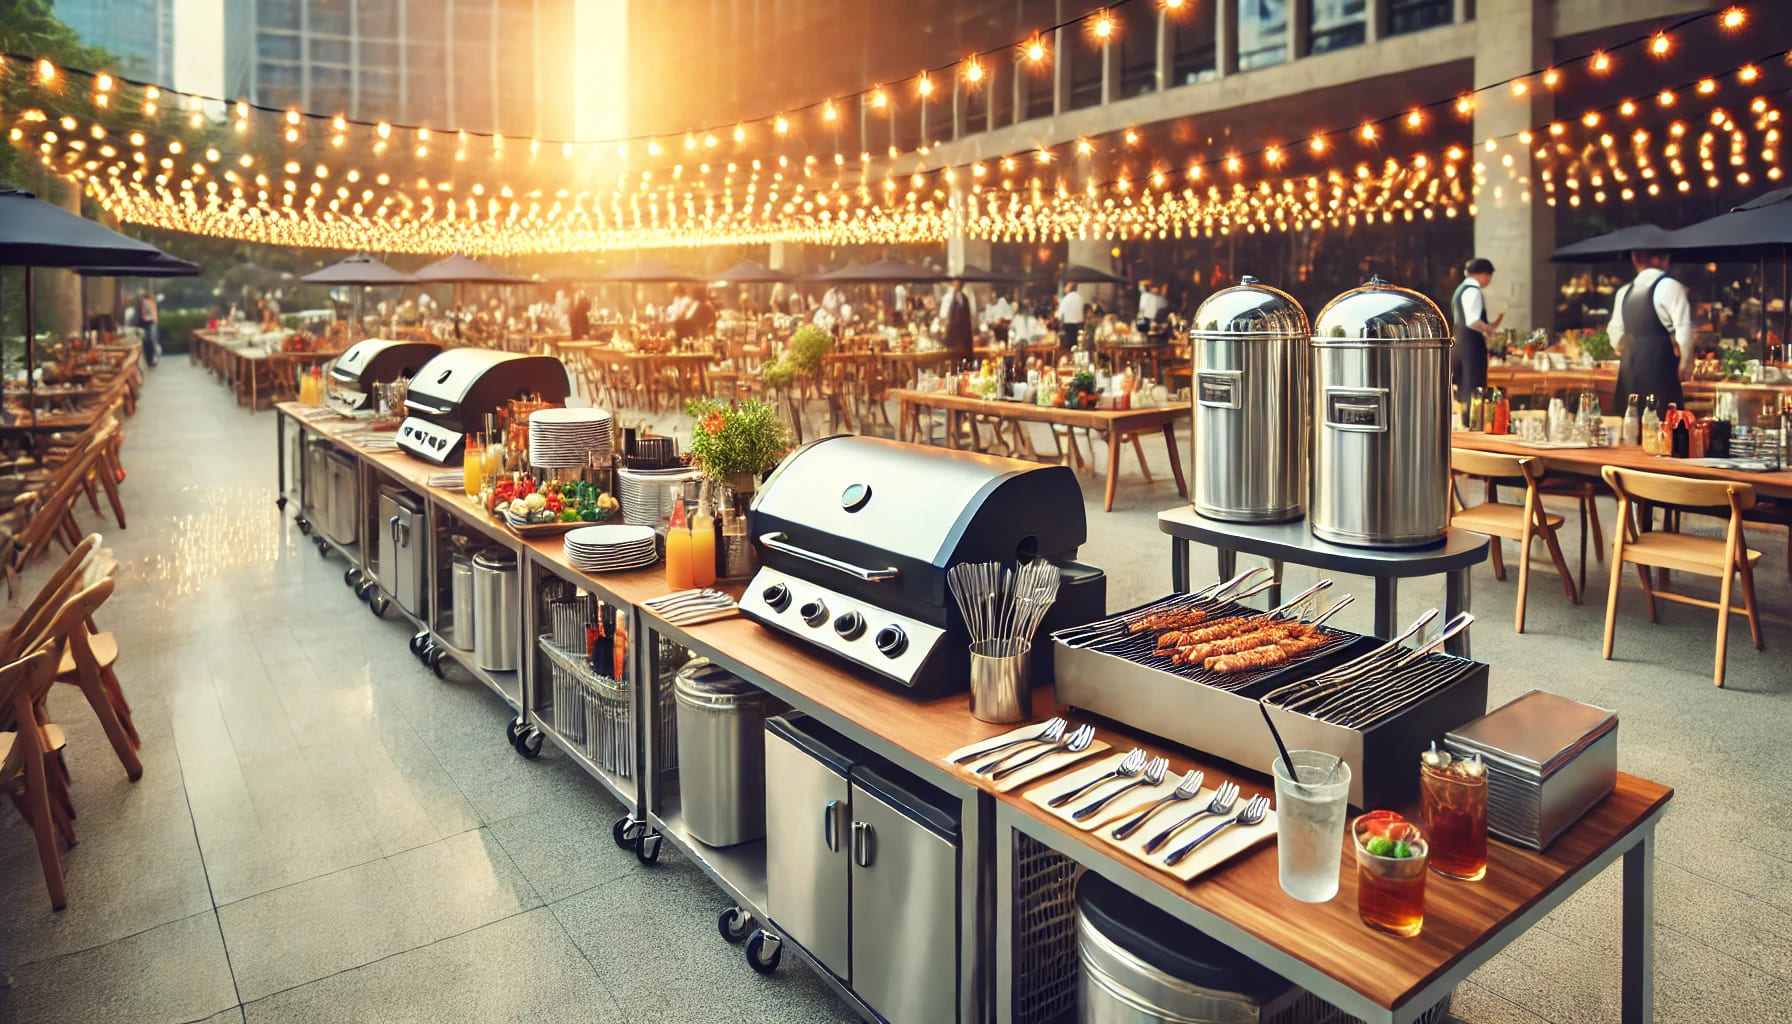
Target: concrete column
[(1375, 15), (1166, 50), (961, 251), (789, 256), (958, 107), (58, 295), (1110, 73), (1513, 226), (1061, 40), (1225, 36), (1018, 112), (1097, 253)]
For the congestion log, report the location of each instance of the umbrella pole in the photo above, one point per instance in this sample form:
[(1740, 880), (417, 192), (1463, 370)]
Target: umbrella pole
[(81, 284), (1761, 278), (31, 355), (1785, 300)]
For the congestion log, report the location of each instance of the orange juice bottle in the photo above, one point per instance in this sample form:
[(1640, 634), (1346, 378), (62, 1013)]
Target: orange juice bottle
[(703, 550), (678, 551)]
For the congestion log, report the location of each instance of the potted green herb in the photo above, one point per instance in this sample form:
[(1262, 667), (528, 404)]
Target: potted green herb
[(736, 444)]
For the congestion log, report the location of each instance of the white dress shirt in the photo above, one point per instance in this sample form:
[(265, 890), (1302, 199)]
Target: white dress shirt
[(1147, 304), (1474, 304), (1070, 309), (998, 312), (1672, 307)]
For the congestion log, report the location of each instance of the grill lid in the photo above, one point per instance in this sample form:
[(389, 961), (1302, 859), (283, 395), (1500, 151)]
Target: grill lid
[(1251, 308), (1380, 312), (447, 378), (380, 360)]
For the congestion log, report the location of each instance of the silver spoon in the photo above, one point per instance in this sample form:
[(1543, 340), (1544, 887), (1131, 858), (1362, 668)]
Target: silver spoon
[(1153, 776), (1222, 801), (1253, 814), (1048, 733), (1075, 743), (1130, 765), (1188, 789)]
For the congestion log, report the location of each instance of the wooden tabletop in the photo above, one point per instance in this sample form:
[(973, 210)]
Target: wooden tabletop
[(1585, 462), (1125, 420)]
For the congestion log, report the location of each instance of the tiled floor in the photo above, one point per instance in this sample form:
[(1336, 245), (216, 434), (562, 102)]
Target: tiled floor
[(326, 832)]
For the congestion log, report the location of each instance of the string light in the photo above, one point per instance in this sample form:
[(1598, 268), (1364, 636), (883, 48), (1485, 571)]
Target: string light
[(1659, 45), (1104, 25), (973, 71), (925, 85), (1732, 18), (1602, 62), (1035, 50)]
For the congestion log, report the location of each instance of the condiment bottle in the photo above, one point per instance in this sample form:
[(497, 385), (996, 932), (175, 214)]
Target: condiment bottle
[(1680, 439), (1633, 422), (1502, 413), (1651, 429), (678, 550)]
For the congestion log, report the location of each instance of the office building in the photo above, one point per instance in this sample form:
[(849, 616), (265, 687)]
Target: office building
[(140, 33)]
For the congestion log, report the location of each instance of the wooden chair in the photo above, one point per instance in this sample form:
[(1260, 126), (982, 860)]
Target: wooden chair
[(1586, 496), (51, 518), (25, 756), (1504, 520), (87, 660), (1702, 556), (27, 630)]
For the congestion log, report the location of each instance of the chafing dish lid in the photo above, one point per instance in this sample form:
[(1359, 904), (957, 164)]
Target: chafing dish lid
[(1380, 312), (1251, 308)]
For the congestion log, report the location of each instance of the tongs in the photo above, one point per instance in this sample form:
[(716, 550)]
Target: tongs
[(1353, 669), (1093, 632)]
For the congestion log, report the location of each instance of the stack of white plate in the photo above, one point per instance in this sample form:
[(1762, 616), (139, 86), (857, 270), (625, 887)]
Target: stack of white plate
[(611, 548), (565, 438), (649, 495)]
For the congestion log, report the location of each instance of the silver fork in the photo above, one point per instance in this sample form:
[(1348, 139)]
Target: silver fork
[(1132, 764), (1153, 776), (1055, 734), (1253, 814), (1187, 789), (1222, 801), (1046, 734), (1078, 741)]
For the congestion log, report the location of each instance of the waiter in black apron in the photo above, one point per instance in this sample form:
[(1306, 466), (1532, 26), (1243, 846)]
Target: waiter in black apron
[(1652, 330), (1468, 312)]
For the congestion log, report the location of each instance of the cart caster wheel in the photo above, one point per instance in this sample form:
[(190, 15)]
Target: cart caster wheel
[(433, 658), (280, 503), (419, 642), (759, 956), (735, 925), (367, 589), (304, 525), (351, 576), (626, 832), (323, 549), (647, 850), (514, 728), (378, 605), (528, 744)]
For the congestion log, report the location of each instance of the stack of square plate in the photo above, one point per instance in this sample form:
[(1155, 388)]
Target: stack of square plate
[(565, 438), (611, 548), (1549, 760)]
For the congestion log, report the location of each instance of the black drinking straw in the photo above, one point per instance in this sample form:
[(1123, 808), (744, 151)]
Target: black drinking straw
[(1293, 772)]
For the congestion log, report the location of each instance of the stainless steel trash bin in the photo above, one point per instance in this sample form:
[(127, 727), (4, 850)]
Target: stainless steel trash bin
[(496, 610), (721, 753), (460, 601), (1381, 419), (1251, 349)]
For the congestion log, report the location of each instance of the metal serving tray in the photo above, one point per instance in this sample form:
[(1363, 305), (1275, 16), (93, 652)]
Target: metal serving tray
[(1383, 759)]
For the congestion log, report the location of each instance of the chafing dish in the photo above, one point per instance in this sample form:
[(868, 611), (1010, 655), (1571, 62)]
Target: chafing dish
[(452, 393), (856, 535)]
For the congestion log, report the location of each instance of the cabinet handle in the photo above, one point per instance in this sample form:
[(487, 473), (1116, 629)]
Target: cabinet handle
[(863, 843), (392, 528), (830, 825)]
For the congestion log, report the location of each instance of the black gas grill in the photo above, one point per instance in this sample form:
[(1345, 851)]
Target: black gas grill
[(373, 362), (451, 395), (856, 534)]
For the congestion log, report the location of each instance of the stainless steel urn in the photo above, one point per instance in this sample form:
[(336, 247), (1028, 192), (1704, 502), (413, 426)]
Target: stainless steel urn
[(1381, 419), (1251, 367)]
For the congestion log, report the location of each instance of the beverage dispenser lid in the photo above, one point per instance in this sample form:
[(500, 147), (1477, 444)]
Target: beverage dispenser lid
[(1251, 308), (1381, 312)]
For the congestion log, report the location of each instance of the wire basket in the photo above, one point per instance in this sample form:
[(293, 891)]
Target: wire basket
[(592, 713), (1044, 953)]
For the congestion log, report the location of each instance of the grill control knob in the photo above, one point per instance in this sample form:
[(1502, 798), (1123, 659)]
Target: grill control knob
[(850, 626), (814, 613), (777, 597), (891, 640)]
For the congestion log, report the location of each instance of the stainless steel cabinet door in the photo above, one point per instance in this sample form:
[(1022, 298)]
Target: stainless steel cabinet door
[(806, 818), (904, 915)]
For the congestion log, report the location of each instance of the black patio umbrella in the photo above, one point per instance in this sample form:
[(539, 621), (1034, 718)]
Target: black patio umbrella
[(1758, 230), (359, 269), (748, 272), (976, 274), (1613, 245), (457, 270), (1077, 273), (36, 234), (162, 266), (881, 272)]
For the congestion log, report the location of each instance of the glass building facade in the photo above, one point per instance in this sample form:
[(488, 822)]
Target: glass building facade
[(140, 33)]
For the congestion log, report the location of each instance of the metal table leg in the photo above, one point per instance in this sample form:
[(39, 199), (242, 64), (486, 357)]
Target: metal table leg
[(1275, 590), (1637, 974), (1387, 601), (1456, 596), (279, 459), (1179, 565), (1228, 560)]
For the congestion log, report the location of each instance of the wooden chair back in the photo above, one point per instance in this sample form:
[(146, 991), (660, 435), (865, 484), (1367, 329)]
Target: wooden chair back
[(48, 517), (45, 601), (24, 683), (69, 625), (1494, 466), (1666, 489)]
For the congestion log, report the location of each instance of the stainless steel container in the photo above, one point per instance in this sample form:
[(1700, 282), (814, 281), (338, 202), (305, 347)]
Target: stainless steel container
[(460, 602), (721, 753), (496, 609), (401, 554), (343, 509), (1381, 419), (1252, 364)]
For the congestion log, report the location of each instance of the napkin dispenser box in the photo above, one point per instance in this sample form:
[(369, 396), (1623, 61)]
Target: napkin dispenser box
[(1531, 806)]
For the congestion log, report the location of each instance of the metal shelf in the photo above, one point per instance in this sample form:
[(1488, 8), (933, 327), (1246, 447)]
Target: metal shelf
[(508, 685), (620, 788)]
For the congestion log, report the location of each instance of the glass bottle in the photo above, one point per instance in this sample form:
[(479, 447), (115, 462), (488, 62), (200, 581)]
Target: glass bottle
[(1651, 429), (1679, 436), (1501, 420), (703, 548), (1633, 422), (678, 550)]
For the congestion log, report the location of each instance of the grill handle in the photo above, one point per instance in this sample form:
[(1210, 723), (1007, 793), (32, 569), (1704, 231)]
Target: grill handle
[(781, 542)]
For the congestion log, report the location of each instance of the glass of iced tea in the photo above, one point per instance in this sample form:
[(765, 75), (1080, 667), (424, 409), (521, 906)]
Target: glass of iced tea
[(1390, 873), (1453, 802)]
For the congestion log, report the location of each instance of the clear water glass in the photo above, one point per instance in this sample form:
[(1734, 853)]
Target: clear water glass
[(1310, 813)]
